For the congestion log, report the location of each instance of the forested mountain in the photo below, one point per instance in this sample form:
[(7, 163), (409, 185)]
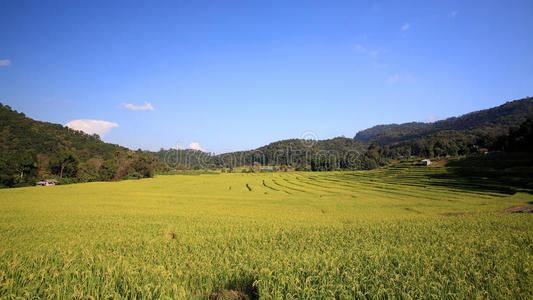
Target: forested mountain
[(451, 137), (495, 121), (372, 147), (339, 152), (519, 139), (375, 146), (185, 159), (322, 155), (31, 150)]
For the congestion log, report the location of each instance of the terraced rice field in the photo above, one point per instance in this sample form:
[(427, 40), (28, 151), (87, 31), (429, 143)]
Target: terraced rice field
[(413, 232)]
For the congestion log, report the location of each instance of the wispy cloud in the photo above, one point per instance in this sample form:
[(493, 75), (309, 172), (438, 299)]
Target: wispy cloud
[(5, 62), (178, 147), (453, 14), (89, 126), (146, 106), (405, 26), (393, 79), (196, 146), (363, 50)]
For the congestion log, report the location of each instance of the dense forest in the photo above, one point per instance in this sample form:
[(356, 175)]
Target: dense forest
[(455, 136), (512, 150), (494, 121), (31, 150), (373, 147), (305, 155)]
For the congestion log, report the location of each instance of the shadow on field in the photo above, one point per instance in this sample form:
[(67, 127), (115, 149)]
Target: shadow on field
[(237, 289), (485, 179)]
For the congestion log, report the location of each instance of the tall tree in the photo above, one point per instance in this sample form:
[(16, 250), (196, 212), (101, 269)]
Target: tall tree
[(24, 161), (65, 163)]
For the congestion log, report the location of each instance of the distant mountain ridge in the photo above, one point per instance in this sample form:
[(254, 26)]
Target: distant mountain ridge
[(31, 150), (299, 153), (375, 146), (498, 119)]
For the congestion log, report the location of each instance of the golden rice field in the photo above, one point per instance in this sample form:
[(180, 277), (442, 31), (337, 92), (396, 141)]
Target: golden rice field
[(401, 232)]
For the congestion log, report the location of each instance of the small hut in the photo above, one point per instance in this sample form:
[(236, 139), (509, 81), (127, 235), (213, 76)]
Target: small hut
[(426, 162), (46, 182)]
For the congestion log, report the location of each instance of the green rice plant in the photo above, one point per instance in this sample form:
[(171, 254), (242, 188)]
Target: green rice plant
[(398, 232)]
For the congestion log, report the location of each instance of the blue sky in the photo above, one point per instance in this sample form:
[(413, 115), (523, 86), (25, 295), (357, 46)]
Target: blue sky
[(234, 75)]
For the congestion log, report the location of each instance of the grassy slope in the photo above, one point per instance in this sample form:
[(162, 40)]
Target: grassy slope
[(397, 231)]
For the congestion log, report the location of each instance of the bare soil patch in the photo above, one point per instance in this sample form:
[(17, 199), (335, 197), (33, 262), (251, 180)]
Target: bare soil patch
[(519, 209)]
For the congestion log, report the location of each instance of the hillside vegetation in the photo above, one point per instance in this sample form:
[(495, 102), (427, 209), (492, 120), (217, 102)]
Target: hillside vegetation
[(373, 147), (302, 155), (497, 121), (455, 136), (31, 150), (400, 232)]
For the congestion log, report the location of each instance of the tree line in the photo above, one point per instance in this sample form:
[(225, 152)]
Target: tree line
[(296, 154), (31, 150), (352, 154)]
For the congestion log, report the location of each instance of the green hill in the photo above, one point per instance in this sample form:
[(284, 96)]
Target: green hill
[(497, 120), (372, 147), (312, 155), (301, 154), (462, 135), (31, 150)]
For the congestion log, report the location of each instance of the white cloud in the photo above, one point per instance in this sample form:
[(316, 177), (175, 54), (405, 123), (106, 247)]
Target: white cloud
[(394, 79), (179, 147), (406, 26), (432, 118), (453, 13), (92, 126), (196, 146), (5, 62), (146, 106), (363, 50)]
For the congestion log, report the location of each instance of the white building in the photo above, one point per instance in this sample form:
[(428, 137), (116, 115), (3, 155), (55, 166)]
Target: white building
[(46, 182), (426, 162)]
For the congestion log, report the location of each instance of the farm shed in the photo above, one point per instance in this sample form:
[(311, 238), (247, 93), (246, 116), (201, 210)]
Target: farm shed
[(46, 182), (426, 162)]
